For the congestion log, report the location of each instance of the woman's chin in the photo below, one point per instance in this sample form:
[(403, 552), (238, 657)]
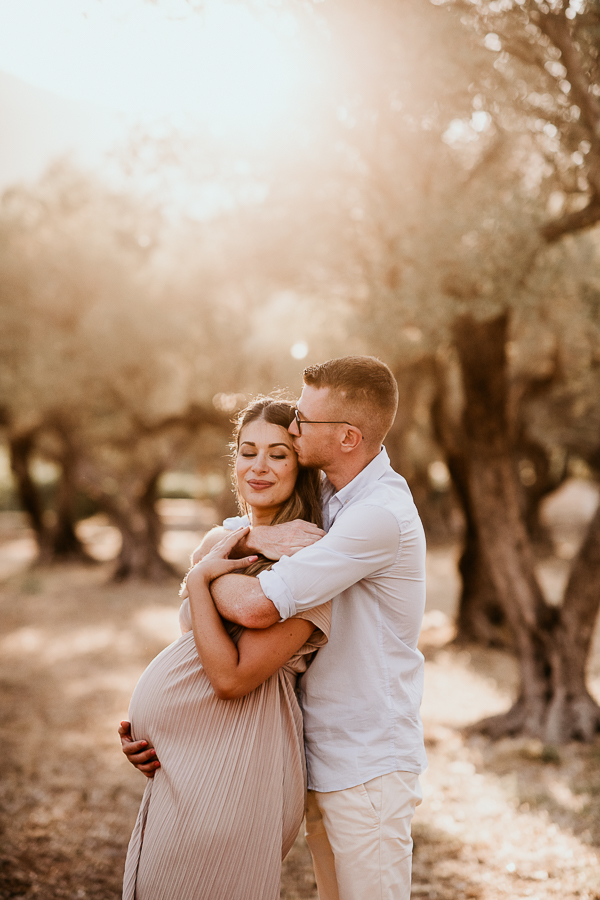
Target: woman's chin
[(263, 504), (259, 501)]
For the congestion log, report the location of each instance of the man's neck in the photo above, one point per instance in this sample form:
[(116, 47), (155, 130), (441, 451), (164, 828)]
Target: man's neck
[(342, 473)]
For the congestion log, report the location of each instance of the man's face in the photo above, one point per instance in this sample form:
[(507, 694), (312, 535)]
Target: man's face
[(316, 446)]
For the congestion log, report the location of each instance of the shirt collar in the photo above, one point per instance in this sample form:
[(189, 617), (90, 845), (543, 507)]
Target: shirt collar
[(372, 472)]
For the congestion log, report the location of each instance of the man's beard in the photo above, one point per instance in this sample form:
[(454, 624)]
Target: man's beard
[(314, 460)]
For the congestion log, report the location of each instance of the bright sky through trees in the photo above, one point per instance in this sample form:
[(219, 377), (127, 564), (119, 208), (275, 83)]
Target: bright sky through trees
[(222, 65)]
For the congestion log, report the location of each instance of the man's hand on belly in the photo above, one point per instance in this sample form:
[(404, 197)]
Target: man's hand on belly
[(140, 754)]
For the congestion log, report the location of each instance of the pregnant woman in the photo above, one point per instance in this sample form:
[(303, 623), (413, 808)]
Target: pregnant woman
[(220, 708)]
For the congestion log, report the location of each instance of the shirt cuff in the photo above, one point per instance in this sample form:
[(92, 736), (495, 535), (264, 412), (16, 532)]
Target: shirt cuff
[(277, 591)]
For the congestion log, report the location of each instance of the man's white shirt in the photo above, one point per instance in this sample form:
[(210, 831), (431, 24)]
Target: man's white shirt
[(361, 695)]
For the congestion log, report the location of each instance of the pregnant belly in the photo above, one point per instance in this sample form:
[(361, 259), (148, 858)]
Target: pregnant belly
[(170, 694)]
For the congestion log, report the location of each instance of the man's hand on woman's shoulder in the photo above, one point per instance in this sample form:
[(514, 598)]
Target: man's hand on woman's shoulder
[(275, 541)]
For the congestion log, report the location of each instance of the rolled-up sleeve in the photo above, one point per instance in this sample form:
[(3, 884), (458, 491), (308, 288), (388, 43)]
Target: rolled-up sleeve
[(363, 539)]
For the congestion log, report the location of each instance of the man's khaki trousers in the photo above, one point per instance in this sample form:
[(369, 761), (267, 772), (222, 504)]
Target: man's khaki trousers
[(360, 838)]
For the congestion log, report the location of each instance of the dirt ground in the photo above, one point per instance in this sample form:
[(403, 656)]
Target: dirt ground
[(512, 819)]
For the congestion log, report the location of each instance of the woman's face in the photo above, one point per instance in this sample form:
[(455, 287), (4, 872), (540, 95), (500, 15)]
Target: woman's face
[(266, 467)]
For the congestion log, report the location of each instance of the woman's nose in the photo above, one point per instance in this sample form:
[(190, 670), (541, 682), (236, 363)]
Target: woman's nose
[(260, 463)]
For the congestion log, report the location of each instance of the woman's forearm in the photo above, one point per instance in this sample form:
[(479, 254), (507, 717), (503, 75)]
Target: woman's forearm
[(219, 654), (236, 670)]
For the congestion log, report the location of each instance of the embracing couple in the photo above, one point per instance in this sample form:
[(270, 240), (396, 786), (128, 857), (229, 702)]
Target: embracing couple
[(313, 657)]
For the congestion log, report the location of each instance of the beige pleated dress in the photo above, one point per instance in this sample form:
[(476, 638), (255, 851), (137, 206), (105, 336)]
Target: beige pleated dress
[(225, 806)]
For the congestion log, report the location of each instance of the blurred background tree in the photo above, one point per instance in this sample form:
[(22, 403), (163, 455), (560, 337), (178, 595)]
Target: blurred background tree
[(448, 195), (126, 337), (500, 186), (435, 207)]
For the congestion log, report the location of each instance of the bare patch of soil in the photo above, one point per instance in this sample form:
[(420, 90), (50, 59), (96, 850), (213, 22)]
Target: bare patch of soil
[(512, 819)]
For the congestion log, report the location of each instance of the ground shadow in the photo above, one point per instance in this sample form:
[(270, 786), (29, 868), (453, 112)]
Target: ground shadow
[(435, 854), (562, 782)]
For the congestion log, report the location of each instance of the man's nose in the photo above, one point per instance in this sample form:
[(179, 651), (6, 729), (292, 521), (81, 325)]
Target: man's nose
[(293, 428)]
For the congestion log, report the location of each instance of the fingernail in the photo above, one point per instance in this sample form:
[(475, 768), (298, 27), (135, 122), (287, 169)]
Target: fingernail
[(153, 752)]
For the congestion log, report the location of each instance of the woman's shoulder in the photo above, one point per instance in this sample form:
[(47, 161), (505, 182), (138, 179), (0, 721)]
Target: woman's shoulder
[(235, 522), (218, 532), (209, 540)]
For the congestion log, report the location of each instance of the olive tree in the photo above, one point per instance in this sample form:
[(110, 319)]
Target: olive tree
[(465, 157)]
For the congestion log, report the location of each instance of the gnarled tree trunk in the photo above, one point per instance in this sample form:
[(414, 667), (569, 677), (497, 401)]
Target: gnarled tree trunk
[(573, 712), (131, 505), (56, 539), (65, 543), (552, 664), (135, 515), (480, 618), (21, 448)]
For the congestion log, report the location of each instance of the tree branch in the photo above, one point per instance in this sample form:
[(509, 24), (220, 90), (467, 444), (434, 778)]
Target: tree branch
[(555, 26), (571, 222)]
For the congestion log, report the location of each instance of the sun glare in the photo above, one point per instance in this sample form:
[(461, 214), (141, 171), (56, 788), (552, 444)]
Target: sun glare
[(220, 65), (299, 350)]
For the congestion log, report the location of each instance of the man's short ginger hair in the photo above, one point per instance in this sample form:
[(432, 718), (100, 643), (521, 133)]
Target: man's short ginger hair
[(363, 388)]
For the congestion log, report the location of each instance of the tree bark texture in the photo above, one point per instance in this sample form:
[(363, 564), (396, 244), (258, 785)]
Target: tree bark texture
[(480, 617), (65, 543), (57, 540), (21, 448), (554, 703), (131, 505), (134, 514), (416, 383)]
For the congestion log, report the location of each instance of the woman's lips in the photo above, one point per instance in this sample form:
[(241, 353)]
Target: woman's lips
[(260, 485)]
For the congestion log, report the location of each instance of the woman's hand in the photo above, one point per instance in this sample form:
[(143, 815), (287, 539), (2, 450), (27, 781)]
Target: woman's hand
[(216, 562)]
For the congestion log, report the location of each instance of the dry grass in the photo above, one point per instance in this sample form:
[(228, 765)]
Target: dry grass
[(507, 819), (512, 819)]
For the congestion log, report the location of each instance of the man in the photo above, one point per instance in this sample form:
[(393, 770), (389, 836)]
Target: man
[(361, 695)]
